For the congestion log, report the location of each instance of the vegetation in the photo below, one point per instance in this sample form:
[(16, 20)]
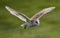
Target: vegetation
[(10, 25)]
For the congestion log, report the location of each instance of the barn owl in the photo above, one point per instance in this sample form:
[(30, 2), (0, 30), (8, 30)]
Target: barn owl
[(29, 22)]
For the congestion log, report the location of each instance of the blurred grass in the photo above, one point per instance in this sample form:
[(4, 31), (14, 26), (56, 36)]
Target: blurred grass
[(10, 25)]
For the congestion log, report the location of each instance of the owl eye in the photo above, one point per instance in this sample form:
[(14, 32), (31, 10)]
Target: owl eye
[(36, 22)]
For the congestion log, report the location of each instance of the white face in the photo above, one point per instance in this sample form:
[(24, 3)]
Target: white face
[(36, 22)]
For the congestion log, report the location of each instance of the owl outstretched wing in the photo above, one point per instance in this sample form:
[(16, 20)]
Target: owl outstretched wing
[(17, 14)]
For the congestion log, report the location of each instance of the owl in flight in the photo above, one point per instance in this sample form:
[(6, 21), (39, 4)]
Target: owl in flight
[(34, 20)]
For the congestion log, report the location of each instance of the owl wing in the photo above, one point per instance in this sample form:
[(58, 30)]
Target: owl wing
[(15, 13), (42, 12)]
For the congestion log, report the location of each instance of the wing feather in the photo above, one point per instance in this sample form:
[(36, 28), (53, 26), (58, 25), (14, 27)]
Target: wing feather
[(15, 13), (41, 13)]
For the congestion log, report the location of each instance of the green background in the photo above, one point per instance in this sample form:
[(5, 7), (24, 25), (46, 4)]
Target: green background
[(10, 25)]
